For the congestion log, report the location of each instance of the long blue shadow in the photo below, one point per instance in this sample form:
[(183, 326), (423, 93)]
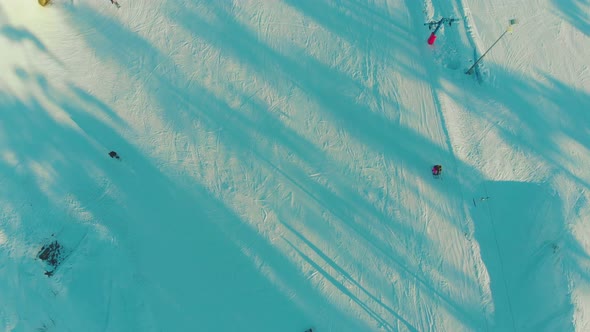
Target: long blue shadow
[(518, 228)]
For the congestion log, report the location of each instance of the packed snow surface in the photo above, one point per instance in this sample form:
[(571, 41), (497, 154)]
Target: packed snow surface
[(275, 166)]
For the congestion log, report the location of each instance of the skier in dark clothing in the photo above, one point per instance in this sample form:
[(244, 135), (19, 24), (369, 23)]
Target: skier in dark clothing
[(113, 154), (436, 170)]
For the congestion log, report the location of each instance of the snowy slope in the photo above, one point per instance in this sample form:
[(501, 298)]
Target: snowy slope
[(521, 135), (275, 166)]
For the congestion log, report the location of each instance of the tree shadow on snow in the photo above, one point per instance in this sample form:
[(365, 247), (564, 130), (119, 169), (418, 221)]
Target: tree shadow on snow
[(193, 225), (52, 176), (22, 35), (519, 229), (576, 12), (367, 27), (185, 100), (550, 115), (546, 121), (335, 93), (185, 249)]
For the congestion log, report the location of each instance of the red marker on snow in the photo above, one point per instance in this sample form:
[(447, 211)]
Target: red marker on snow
[(436, 25), (431, 39)]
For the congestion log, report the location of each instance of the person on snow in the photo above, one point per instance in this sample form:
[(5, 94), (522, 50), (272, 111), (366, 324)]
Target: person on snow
[(114, 155), (436, 170)]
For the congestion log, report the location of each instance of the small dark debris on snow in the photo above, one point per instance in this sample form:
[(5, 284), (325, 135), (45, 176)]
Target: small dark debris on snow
[(114, 154), (51, 254), (46, 326)]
